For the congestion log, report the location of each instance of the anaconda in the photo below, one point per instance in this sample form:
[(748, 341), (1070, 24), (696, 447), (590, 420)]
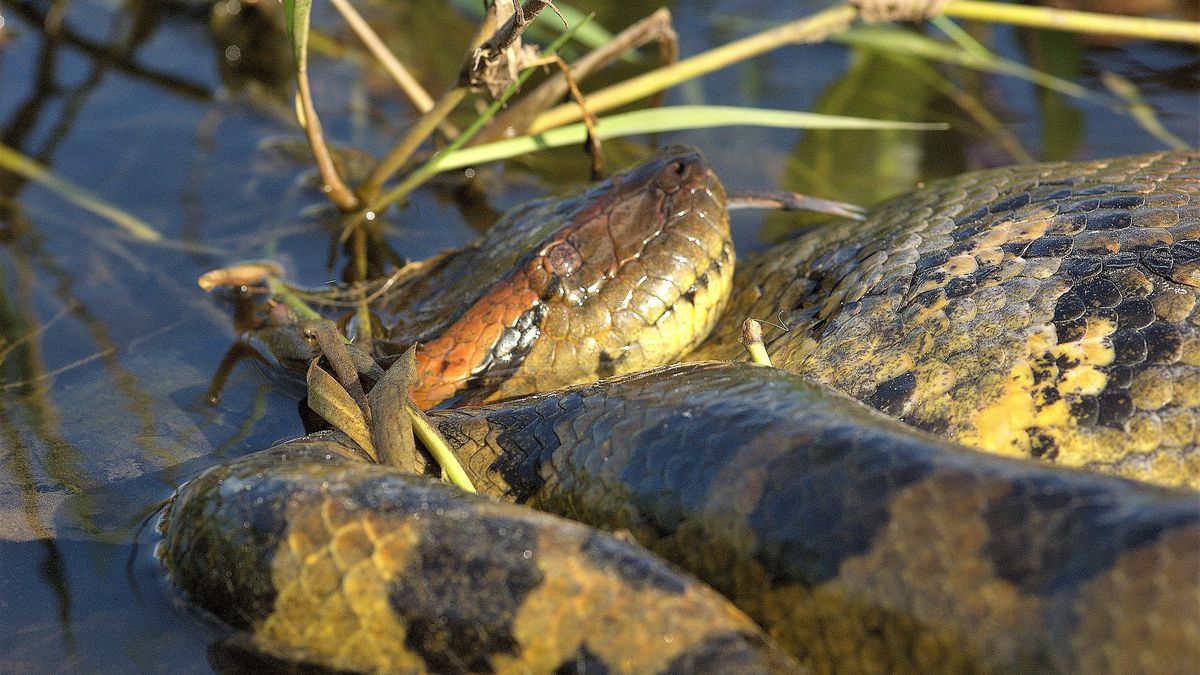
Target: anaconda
[(894, 563), (1045, 311), (328, 560)]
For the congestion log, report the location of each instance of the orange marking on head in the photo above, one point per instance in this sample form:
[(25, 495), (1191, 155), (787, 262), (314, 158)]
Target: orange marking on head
[(445, 364)]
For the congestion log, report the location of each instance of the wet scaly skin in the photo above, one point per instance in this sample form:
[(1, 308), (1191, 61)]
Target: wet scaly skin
[(860, 544), (981, 308), (326, 559), (1045, 311)]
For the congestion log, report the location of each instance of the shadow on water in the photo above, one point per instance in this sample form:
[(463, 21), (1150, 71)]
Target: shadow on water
[(107, 347)]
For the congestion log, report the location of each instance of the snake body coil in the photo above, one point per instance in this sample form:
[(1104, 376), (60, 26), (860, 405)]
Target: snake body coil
[(1044, 311)]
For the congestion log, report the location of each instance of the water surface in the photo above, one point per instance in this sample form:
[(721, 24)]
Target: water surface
[(107, 346)]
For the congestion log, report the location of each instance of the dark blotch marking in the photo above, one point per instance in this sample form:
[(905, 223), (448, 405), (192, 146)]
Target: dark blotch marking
[(928, 298), (606, 364), (1121, 260), (1129, 347), (1015, 248), (1050, 534), (642, 572), (1159, 260), (1049, 247), (462, 590), (1097, 293), (1042, 368), (583, 662), (1041, 445), (1186, 251), (1070, 331), (1123, 202), (1099, 189), (827, 499), (1081, 206), (528, 435), (1135, 314), (967, 233), (1111, 220), (1085, 410), (1116, 406), (1082, 268), (930, 260), (1119, 377), (1163, 342), (983, 274), (245, 553), (1068, 308), (960, 286), (1009, 203), (892, 396)]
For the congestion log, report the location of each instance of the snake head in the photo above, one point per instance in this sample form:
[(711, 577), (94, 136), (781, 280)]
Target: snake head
[(629, 273)]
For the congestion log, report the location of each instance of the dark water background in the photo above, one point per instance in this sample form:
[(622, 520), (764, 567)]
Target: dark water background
[(107, 345)]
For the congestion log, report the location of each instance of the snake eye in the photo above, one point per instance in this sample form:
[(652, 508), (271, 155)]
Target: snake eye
[(563, 258)]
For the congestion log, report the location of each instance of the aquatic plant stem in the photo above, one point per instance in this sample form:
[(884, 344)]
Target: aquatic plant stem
[(1074, 21), (403, 151), (436, 445), (370, 39), (429, 168), (808, 29), (816, 27)]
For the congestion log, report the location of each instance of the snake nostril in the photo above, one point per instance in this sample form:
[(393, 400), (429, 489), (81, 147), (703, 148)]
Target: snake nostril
[(674, 174)]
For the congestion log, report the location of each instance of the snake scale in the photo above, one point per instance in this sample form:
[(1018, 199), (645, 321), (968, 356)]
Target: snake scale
[(1041, 311)]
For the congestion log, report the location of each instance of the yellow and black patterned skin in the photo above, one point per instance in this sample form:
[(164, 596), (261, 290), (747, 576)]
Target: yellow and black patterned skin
[(1045, 311), (1042, 311), (326, 559), (860, 544)]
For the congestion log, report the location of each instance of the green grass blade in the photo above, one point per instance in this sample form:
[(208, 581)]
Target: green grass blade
[(21, 165), (899, 41), (673, 118), (296, 13), (433, 165)]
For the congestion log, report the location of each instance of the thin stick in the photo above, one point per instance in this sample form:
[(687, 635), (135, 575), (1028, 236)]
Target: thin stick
[(408, 84), (421, 174), (815, 27), (404, 150), (1075, 22), (336, 189), (752, 339), (808, 29), (436, 445), (370, 39)]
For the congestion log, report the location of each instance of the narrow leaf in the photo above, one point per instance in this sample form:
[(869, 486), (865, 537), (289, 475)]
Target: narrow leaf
[(297, 12), (673, 118), (328, 399)]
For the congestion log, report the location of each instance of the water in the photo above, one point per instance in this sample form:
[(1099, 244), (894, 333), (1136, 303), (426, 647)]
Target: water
[(107, 345)]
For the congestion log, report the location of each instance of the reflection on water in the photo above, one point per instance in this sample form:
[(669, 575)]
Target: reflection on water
[(107, 346)]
